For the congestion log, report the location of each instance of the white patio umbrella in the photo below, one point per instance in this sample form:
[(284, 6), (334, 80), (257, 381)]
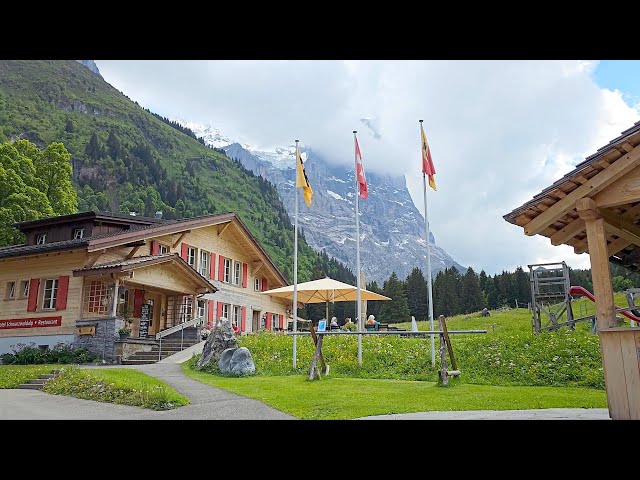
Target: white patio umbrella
[(325, 290)]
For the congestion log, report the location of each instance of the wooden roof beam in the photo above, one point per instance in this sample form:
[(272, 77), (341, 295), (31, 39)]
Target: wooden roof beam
[(568, 232), (598, 183), (622, 191), (621, 227), (182, 235)]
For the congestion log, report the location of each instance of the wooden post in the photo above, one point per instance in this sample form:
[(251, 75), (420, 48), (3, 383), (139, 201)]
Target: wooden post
[(323, 364), (618, 387), (597, 242), (114, 304), (444, 376), (314, 373), (445, 335)]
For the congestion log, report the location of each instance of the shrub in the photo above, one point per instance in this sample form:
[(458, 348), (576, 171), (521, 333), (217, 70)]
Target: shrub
[(61, 353)]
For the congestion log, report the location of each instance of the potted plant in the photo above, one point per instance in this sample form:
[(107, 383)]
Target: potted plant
[(125, 331)]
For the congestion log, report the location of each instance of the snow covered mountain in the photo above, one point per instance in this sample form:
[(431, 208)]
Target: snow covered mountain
[(391, 227)]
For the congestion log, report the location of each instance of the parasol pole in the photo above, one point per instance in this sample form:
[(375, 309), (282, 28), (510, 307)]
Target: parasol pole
[(359, 303)]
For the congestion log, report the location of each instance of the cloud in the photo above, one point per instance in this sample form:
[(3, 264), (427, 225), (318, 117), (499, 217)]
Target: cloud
[(499, 131)]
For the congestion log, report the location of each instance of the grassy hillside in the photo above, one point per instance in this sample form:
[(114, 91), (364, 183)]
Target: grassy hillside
[(135, 161)]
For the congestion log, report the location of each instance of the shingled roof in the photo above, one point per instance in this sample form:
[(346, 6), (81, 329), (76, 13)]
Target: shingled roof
[(613, 168)]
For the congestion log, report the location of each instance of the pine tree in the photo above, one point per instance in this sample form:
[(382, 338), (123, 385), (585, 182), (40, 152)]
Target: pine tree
[(113, 145), (471, 293), (93, 149), (397, 309), (69, 126), (417, 294), (522, 287)]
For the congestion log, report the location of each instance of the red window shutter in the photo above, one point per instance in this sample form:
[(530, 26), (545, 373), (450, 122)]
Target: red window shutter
[(243, 316), (244, 275), (32, 304), (63, 288), (138, 299), (268, 321), (281, 321), (264, 284), (155, 247), (212, 267), (221, 268), (183, 252), (219, 312), (210, 318)]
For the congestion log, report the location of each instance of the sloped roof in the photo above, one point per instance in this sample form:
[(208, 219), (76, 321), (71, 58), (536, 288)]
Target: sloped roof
[(146, 261), (562, 223)]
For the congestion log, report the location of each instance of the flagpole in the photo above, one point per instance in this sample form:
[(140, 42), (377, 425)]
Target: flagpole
[(426, 228), (295, 267), (360, 319)]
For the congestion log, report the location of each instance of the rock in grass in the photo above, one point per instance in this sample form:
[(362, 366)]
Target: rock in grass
[(225, 360), (241, 362), (218, 341)]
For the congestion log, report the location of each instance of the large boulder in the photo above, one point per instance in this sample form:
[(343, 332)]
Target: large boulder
[(218, 341), (241, 362), (225, 360)]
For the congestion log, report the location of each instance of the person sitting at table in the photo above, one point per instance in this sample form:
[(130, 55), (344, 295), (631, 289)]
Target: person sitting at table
[(334, 324), (371, 323)]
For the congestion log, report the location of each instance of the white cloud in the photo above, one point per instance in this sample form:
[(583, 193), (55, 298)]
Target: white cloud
[(499, 131)]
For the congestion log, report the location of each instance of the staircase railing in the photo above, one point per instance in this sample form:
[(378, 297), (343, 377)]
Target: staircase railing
[(196, 322)]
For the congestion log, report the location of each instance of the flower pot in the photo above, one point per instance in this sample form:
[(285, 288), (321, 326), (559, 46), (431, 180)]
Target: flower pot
[(124, 336)]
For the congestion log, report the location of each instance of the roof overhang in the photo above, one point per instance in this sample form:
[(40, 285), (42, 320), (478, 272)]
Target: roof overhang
[(608, 184), (146, 262)]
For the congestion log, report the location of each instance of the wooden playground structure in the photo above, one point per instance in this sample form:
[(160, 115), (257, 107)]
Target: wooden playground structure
[(552, 295), (596, 209)]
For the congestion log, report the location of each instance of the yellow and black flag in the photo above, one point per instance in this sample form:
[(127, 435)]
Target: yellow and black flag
[(302, 180)]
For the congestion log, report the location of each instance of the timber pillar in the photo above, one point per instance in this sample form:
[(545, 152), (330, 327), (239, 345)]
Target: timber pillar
[(619, 346)]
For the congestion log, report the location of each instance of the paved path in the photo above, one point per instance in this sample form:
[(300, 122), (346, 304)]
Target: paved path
[(542, 414), (207, 403)]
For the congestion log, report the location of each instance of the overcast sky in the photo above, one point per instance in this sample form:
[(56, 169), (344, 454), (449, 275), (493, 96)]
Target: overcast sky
[(499, 131)]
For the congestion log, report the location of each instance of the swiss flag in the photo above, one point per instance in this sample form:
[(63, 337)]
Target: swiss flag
[(362, 180)]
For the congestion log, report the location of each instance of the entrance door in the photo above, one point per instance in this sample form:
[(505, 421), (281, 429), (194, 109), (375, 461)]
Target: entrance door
[(155, 302), (255, 321)]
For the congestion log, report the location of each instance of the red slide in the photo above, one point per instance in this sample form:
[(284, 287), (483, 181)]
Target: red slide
[(577, 290)]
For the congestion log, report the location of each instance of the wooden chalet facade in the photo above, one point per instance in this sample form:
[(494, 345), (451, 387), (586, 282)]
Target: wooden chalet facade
[(94, 269)]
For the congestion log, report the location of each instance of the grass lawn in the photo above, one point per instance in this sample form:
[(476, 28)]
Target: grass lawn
[(346, 398), (13, 375), (116, 385)]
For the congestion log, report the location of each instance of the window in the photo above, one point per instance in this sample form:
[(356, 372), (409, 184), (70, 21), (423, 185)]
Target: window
[(191, 257), (24, 289), (163, 249), (201, 309), (96, 298), (237, 269), (225, 310), (257, 284), (50, 294), (235, 319), (41, 239), (227, 270), (204, 263), (78, 233), (11, 291)]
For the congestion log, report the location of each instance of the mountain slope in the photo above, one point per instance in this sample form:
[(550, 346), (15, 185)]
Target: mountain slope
[(391, 227), (126, 158)]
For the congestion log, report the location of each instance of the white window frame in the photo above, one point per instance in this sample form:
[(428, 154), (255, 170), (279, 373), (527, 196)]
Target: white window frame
[(202, 309), (257, 284), (204, 263), (237, 313), (41, 239), (163, 248), (227, 270), (237, 272), (192, 255), (11, 291), (50, 303), (225, 310), (24, 288), (78, 233)]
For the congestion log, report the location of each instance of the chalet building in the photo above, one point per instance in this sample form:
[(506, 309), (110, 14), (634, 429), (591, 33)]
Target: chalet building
[(79, 278)]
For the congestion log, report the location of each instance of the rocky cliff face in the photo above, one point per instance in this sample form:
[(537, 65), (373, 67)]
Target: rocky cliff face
[(391, 227), (91, 65)]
